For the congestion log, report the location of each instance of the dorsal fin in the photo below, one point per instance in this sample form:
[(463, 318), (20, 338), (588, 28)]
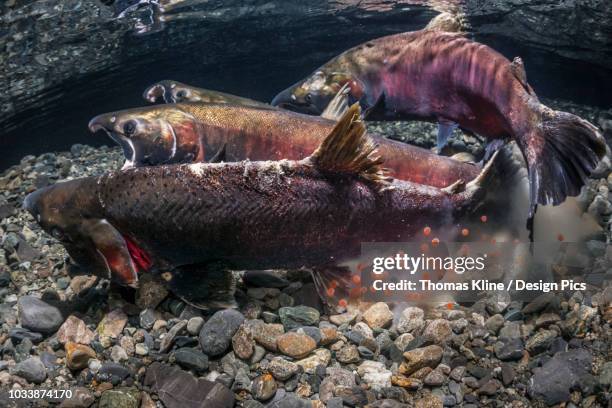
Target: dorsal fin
[(337, 106), (518, 70), (348, 150)]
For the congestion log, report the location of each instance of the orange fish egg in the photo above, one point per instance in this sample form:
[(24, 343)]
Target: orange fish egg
[(465, 232), (356, 279), (435, 242), (483, 218), (333, 284), (426, 231), (342, 303), (330, 292), (450, 306)]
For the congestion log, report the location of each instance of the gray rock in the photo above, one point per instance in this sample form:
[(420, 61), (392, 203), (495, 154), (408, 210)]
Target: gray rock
[(282, 369), (18, 334), (605, 375), (112, 372), (32, 369), (294, 317), (148, 318), (191, 359), (564, 372), (494, 323), (179, 389), (509, 349), (216, 334), (411, 319), (38, 316), (194, 325)]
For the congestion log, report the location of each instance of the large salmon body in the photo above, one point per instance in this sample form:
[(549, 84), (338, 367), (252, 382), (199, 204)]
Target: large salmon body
[(445, 77), (195, 132), (246, 215)]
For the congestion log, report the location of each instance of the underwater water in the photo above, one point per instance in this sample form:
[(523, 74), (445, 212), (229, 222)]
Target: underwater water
[(63, 63)]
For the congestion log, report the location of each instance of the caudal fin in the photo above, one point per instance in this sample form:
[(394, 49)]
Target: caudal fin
[(561, 153)]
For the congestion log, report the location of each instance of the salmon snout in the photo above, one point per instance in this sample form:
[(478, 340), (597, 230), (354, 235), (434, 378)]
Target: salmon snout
[(68, 213)]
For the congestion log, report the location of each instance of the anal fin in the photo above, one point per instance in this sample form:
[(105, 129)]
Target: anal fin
[(335, 286)]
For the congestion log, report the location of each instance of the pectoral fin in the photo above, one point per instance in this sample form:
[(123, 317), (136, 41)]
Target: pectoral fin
[(111, 246), (209, 286), (339, 105)]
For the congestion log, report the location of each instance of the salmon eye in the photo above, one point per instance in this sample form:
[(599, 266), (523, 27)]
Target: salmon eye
[(309, 98), (181, 94), (129, 128)]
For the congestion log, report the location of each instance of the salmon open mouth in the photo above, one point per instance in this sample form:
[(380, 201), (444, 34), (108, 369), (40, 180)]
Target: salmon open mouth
[(129, 152)]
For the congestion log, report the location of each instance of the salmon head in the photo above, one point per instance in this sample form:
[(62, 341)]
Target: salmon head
[(153, 135), (169, 91), (71, 213), (313, 94)]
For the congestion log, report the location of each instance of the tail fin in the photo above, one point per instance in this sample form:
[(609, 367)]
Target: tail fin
[(561, 152)]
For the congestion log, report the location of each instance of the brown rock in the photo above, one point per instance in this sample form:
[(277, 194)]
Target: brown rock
[(378, 315), (304, 390), (428, 356), (438, 331), (266, 334), (318, 357), (405, 382), (264, 387), (329, 334), (348, 354), (421, 373), (78, 355), (429, 401), (112, 324), (340, 319), (146, 401), (75, 330), (295, 345), (243, 342)]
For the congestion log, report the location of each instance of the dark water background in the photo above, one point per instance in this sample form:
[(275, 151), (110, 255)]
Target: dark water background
[(253, 50)]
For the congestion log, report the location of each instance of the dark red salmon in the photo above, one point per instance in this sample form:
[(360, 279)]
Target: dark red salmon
[(445, 77)]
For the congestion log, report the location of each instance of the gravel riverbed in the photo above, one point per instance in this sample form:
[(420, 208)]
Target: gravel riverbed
[(115, 348)]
